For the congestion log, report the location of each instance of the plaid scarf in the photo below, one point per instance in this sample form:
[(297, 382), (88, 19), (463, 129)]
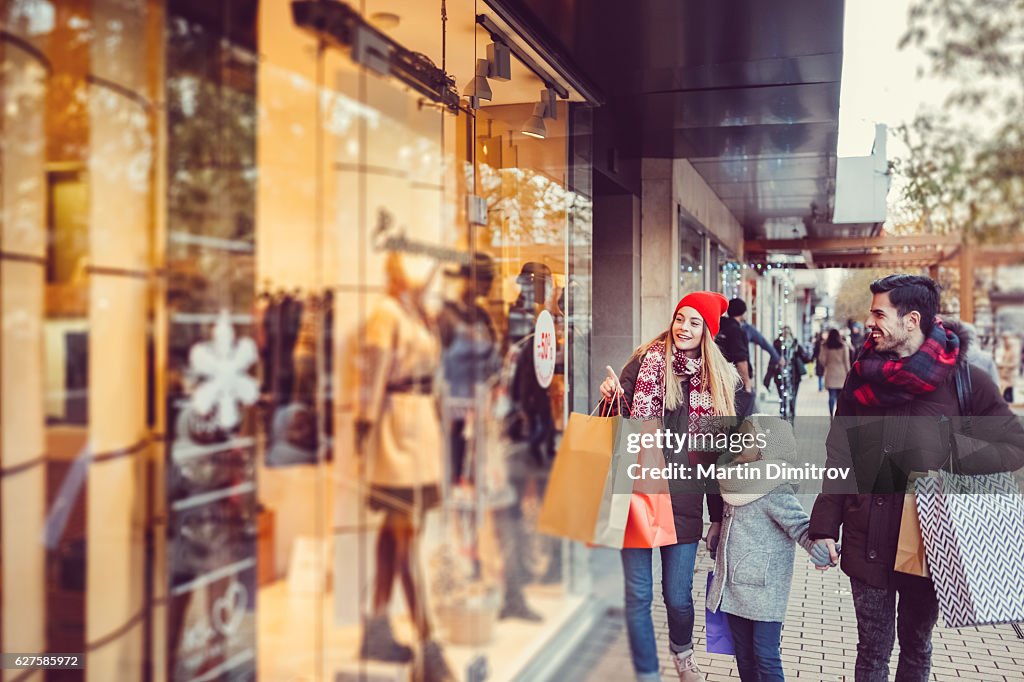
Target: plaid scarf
[(885, 380), (649, 389)]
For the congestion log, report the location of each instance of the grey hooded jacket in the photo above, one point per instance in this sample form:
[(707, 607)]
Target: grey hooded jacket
[(754, 565)]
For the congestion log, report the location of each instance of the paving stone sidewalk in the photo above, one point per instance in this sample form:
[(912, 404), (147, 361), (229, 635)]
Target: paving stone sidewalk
[(819, 640)]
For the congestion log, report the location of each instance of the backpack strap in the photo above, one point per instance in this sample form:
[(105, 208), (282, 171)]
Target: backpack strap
[(964, 390)]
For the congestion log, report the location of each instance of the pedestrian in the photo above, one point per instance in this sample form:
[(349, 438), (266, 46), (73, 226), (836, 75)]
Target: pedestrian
[(886, 426), (1008, 362), (762, 522), (834, 359), (819, 368), (682, 378), (735, 346), (856, 338), (757, 338), (977, 355), (788, 373)]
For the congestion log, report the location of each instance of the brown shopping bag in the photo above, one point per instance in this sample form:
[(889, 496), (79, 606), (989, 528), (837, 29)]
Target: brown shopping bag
[(910, 556), (580, 502)]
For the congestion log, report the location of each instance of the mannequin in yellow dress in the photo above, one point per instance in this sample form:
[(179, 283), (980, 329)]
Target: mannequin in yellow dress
[(398, 432)]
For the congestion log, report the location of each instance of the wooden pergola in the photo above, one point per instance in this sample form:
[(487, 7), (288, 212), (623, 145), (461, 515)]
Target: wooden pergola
[(918, 251)]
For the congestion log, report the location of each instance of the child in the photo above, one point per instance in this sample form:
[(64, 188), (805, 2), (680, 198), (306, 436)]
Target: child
[(761, 522)]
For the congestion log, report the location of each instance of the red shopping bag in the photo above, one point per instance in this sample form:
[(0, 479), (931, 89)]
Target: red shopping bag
[(651, 521)]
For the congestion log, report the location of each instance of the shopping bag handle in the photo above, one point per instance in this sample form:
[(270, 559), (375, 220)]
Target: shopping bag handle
[(605, 404)]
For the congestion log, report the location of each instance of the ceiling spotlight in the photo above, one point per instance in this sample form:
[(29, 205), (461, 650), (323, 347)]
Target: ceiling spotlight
[(545, 108), (534, 126), (478, 88)]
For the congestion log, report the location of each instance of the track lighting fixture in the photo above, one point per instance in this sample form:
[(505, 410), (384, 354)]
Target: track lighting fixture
[(545, 108), (478, 88), (499, 61), (534, 126)]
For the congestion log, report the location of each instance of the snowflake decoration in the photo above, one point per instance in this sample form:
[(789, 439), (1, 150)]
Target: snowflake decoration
[(223, 365)]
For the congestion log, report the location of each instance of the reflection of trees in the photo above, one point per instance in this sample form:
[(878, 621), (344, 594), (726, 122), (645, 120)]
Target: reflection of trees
[(211, 161), (526, 207)]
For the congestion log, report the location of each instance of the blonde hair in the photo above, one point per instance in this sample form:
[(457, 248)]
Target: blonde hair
[(718, 376)]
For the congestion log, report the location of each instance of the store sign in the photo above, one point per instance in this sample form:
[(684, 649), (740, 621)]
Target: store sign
[(544, 348)]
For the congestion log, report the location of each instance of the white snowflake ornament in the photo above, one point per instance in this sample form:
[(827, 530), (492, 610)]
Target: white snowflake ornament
[(223, 365)]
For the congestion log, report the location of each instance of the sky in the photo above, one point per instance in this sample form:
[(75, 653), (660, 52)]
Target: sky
[(880, 84), (880, 81)]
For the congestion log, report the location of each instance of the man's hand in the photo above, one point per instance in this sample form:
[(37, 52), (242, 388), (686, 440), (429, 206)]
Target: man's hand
[(714, 533), (824, 554)]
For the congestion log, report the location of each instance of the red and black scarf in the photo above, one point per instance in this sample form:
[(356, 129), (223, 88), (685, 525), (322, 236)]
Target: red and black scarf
[(886, 380)]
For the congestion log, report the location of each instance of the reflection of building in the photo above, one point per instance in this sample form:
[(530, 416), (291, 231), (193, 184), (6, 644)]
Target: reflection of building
[(191, 193)]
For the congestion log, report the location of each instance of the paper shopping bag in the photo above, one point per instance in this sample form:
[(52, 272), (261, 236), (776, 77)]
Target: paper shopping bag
[(719, 637), (579, 502), (651, 521), (973, 532), (910, 555)]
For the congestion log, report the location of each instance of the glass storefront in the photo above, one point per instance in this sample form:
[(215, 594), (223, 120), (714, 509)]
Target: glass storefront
[(290, 331)]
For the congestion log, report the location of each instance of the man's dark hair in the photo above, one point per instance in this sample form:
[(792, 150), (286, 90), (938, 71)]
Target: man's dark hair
[(911, 292), (736, 307)]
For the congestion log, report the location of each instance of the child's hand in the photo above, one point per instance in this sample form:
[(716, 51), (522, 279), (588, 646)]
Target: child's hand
[(714, 534), (825, 553)]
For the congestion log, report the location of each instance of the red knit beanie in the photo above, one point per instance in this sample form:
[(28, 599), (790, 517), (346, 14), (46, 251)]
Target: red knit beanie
[(709, 304)]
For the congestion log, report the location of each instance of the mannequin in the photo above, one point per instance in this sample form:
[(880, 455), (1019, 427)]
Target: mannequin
[(399, 435)]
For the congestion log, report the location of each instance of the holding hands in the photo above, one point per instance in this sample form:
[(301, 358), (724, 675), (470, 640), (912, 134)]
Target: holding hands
[(825, 553)]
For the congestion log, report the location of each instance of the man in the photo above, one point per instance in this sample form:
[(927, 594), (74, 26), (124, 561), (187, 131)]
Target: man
[(735, 346), (889, 419)]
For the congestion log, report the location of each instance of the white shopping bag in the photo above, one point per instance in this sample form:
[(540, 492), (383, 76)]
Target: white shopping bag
[(973, 532)]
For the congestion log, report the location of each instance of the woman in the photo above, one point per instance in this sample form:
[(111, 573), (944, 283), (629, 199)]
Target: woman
[(819, 368), (682, 378), (834, 357)]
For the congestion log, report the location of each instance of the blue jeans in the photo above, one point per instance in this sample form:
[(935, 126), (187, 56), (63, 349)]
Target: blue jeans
[(833, 398), (758, 658), (676, 587)]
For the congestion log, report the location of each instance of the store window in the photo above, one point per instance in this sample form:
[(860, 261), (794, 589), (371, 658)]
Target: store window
[(273, 362), (730, 274), (691, 255)]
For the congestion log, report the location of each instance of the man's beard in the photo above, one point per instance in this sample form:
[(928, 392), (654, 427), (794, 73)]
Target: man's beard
[(892, 342)]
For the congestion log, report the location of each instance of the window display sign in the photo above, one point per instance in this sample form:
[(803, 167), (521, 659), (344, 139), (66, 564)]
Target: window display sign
[(544, 349)]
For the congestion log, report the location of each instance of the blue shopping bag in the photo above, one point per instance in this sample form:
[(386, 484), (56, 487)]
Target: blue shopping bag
[(719, 638)]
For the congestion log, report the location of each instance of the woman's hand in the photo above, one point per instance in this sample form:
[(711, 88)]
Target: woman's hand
[(610, 387)]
